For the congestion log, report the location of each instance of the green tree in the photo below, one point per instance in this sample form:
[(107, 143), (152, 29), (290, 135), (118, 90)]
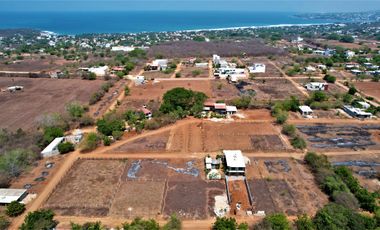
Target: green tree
[(13, 162), (347, 39), (276, 221), (141, 224), (127, 91), (329, 78), (224, 223), (319, 96), (334, 216), (298, 142), (65, 147), (4, 222), (281, 117), (75, 110), (41, 219), (110, 123), (174, 223), (352, 90), (15, 208), (181, 99), (50, 133), (90, 142), (304, 222), (87, 226), (289, 130)]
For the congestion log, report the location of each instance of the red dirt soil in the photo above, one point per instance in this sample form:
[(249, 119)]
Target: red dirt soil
[(21, 109)]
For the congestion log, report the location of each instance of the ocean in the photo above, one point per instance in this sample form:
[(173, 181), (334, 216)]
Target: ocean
[(144, 21)]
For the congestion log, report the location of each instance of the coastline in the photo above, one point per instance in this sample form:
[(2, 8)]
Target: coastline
[(205, 30)]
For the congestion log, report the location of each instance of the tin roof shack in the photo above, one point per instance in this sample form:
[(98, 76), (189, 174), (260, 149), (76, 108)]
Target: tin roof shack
[(52, 148), (148, 114), (7, 195), (235, 163), (356, 112), (219, 108), (317, 86), (306, 111)]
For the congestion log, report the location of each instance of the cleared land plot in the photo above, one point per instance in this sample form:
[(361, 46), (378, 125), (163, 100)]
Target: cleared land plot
[(88, 189), (207, 49), (283, 185), (369, 88), (222, 90), (270, 70), (40, 96), (332, 88), (143, 94), (275, 89), (190, 198), (144, 188), (35, 63), (155, 143), (156, 74), (138, 198), (365, 168), (192, 71), (335, 137), (211, 137), (154, 91)]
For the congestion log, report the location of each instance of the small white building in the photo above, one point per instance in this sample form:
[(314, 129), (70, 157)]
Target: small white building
[(356, 112), (15, 88), (75, 137), (349, 54), (201, 65), (235, 162), (123, 48), (52, 148), (316, 86), (257, 68), (231, 110), (356, 72), (8, 195), (139, 80), (322, 67), (306, 111), (310, 69), (99, 71), (208, 162), (160, 64)]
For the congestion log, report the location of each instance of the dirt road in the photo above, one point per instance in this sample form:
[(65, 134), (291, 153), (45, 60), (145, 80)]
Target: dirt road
[(301, 89)]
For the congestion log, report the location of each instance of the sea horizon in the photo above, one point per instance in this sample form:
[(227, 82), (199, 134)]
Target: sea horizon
[(76, 23)]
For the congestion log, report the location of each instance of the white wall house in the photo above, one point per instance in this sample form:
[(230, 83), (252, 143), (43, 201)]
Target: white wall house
[(306, 111), (52, 148), (7, 195), (356, 112), (235, 162), (350, 54), (99, 71), (316, 86), (257, 68), (123, 48)]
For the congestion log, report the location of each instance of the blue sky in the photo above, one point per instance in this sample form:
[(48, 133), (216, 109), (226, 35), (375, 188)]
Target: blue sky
[(237, 5)]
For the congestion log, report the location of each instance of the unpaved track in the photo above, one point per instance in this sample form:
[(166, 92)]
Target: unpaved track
[(302, 90)]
